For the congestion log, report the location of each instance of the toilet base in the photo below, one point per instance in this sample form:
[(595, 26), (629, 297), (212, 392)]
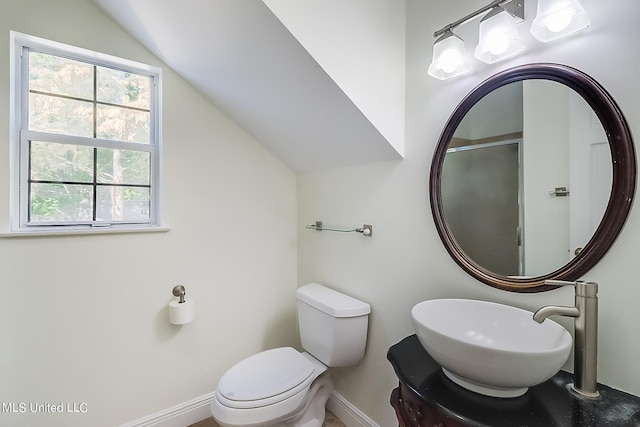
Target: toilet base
[(313, 413)]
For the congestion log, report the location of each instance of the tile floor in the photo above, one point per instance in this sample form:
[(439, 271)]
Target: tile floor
[(329, 421)]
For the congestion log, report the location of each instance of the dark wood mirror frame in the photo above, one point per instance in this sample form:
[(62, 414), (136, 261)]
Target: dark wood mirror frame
[(623, 158)]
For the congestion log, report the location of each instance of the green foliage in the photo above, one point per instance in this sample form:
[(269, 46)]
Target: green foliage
[(133, 92), (44, 207)]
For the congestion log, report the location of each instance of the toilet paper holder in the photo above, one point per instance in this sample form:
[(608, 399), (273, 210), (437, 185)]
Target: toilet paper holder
[(179, 291), (181, 312)]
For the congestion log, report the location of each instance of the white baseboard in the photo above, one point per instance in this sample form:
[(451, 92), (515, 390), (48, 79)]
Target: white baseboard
[(199, 408), (348, 414), (181, 415)]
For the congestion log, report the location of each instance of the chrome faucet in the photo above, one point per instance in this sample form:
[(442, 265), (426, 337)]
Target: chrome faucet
[(585, 351)]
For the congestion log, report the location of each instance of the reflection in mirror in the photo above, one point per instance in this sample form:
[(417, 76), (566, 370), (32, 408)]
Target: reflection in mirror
[(526, 178), (533, 177)]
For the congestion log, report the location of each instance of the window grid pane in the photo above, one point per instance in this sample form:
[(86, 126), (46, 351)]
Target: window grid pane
[(56, 114), (122, 124), (74, 98), (75, 184), (60, 162), (121, 88), (117, 203), (60, 202), (64, 184), (60, 76), (123, 167)]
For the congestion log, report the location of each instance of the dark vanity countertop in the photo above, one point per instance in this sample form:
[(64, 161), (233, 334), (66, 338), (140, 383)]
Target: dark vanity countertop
[(545, 405)]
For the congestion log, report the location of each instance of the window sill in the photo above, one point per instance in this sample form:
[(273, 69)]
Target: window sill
[(55, 231)]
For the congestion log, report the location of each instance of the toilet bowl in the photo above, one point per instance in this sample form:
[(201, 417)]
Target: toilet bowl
[(288, 388), (275, 387)]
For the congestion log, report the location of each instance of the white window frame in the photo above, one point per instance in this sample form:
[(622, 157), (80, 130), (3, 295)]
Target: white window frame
[(20, 136)]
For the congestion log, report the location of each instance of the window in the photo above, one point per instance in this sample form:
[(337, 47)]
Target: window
[(86, 140)]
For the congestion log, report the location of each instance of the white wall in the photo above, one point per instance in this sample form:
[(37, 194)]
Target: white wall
[(84, 318), (360, 44), (404, 262)]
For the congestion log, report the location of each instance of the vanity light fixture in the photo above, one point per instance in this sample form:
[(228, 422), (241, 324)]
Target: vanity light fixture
[(449, 59), (498, 38), (558, 18)]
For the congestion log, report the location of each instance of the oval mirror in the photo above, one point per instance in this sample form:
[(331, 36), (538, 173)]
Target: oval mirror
[(533, 177)]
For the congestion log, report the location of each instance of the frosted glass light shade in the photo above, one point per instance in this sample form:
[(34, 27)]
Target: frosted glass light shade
[(558, 18), (498, 37), (448, 57)]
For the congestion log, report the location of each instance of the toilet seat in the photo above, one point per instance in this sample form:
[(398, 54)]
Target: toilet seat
[(265, 378)]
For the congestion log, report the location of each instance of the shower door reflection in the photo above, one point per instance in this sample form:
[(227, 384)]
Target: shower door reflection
[(481, 200)]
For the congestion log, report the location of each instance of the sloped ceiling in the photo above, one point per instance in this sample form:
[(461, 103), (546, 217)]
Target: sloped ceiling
[(241, 57)]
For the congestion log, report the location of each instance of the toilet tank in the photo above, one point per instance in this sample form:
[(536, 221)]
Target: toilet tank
[(333, 326)]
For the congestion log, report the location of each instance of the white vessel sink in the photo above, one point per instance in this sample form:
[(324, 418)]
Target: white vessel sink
[(490, 348)]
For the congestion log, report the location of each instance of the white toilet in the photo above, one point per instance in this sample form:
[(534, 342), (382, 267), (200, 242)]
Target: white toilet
[(287, 388)]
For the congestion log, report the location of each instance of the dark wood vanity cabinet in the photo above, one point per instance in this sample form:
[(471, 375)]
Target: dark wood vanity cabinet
[(427, 398), (412, 411)]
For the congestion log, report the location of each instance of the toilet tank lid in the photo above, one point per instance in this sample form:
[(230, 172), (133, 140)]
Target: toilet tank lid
[(332, 302)]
